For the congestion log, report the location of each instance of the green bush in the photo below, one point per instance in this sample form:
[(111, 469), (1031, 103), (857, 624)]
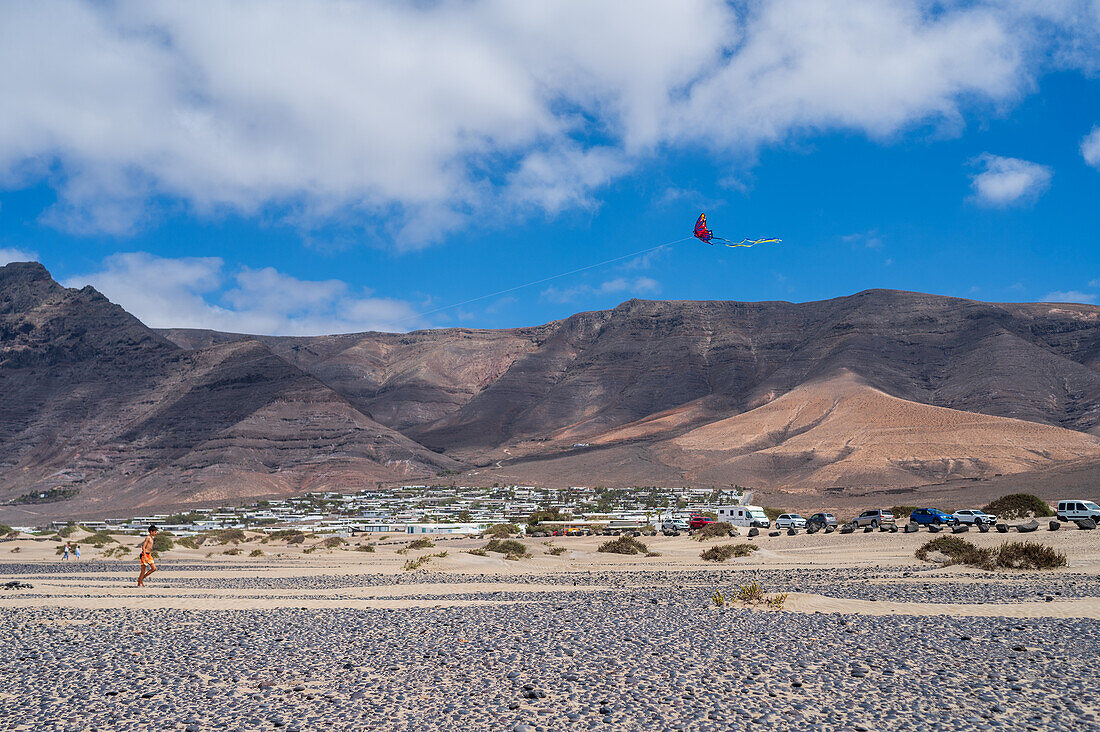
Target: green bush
[(256, 553), (510, 548), (162, 542), (228, 536), (414, 564), (68, 531), (290, 536), (774, 513), (100, 539), (1028, 555), (188, 542), (364, 548), (719, 529), (1019, 505), (556, 551), (623, 545), (722, 552), (502, 531), (957, 550), (901, 512), (424, 543), (6, 530), (477, 552), (332, 542)]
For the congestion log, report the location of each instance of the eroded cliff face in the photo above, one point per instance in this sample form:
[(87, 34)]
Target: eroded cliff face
[(90, 398), (94, 403)]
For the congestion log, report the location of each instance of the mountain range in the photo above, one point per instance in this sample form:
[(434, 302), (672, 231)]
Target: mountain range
[(882, 393)]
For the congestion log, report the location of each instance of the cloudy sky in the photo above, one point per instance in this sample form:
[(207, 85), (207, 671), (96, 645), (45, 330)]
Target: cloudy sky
[(308, 166)]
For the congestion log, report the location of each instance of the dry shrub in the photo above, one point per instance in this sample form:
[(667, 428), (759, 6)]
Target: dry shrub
[(1029, 555), (753, 594), (256, 553), (718, 530), (227, 536), (188, 542), (365, 548), (510, 547), (1019, 505), (957, 551), (556, 551), (290, 536), (502, 531), (332, 542), (415, 564), (421, 544), (623, 545), (478, 552), (722, 552)]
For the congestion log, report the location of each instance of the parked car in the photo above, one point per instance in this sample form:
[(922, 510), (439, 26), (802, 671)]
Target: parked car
[(790, 521), (875, 518), (932, 516), (975, 516), (1078, 509), (674, 525), (698, 522), (821, 520)]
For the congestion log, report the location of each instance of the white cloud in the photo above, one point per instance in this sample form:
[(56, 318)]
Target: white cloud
[(322, 111), (1005, 181), (1069, 296), (1090, 148), (615, 286), (196, 292), (8, 255), (869, 239)]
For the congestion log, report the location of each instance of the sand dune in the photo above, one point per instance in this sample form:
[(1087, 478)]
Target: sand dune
[(840, 432)]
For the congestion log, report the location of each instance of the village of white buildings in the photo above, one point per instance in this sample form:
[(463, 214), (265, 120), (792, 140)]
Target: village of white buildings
[(436, 509)]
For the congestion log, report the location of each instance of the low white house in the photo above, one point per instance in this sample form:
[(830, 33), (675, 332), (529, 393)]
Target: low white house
[(445, 528)]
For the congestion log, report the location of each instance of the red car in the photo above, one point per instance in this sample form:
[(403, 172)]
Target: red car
[(698, 522)]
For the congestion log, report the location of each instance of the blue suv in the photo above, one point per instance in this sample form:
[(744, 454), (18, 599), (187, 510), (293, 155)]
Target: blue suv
[(932, 516)]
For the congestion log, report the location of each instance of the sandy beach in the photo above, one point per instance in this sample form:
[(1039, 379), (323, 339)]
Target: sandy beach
[(303, 637)]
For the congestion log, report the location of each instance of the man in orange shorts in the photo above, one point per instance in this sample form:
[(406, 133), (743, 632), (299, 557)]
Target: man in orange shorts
[(147, 566)]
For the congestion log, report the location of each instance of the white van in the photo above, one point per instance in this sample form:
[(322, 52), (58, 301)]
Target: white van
[(1077, 510), (744, 516)]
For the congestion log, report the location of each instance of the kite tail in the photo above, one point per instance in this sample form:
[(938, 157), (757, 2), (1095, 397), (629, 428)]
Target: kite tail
[(751, 242)]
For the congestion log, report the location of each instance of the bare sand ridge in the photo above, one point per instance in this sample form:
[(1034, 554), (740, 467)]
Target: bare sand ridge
[(842, 432)]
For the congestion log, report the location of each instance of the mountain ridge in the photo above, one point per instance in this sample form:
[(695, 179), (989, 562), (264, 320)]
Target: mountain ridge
[(136, 417)]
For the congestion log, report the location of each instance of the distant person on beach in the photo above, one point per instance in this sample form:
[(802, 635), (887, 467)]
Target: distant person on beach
[(76, 551), (65, 554), (147, 556)]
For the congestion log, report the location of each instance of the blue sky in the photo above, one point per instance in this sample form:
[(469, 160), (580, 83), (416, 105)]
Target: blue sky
[(167, 156)]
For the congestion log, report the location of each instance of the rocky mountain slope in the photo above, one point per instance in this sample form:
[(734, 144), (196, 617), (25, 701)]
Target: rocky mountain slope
[(883, 388), (95, 405)]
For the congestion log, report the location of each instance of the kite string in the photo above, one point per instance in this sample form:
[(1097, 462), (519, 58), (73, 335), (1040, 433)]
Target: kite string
[(544, 279)]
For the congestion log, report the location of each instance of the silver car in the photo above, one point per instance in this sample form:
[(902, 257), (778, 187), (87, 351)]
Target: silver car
[(874, 518)]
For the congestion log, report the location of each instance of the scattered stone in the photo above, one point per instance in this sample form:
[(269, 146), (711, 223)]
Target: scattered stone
[(792, 531), (912, 528), (1054, 526), (753, 531), (933, 528), (1086, 524), (1030, 526), (774, 533), (1002, 528), (960, 529)]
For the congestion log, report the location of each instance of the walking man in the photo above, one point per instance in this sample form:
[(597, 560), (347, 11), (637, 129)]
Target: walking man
[(147, 556)]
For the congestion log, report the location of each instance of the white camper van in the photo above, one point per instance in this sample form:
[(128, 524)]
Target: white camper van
[(744, 516)]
